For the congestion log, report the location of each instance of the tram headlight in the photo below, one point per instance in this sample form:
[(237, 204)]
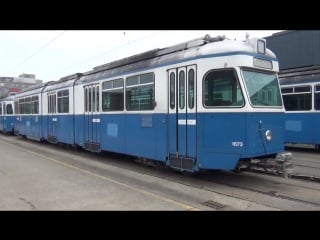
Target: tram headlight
[(268, 135)]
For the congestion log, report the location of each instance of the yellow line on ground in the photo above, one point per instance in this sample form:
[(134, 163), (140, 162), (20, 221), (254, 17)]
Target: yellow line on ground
[(183, 205)]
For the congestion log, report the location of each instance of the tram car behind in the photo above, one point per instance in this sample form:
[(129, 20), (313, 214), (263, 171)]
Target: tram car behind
[(7, 115), (300, 88)]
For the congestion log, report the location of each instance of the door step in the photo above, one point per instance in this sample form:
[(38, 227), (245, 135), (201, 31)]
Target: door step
[(182, 163), (92, 146)]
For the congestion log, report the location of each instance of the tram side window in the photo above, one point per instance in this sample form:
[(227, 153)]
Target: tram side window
[(317, 97), (21, 106), (0, 108), (140, 92), (9, 109), (299, 100), (35, 104), (27, 105), (52, 103), (181, 89), (97, 100), (63, 101), (113, 95), (172, 90), (16, 107), (221, 88), (191, 88)]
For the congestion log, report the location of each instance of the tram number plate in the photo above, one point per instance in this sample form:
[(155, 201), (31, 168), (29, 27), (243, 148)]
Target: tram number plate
[(237, 144)]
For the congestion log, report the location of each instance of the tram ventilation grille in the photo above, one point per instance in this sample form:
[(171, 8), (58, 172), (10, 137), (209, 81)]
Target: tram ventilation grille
[(214, 204)]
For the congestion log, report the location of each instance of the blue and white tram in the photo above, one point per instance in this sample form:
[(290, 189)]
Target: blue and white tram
[(300, 88), (7, 115), (210, 103), (57, 116), (28, 115)]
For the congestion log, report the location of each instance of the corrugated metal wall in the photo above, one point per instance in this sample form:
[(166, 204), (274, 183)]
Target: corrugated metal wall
[(295, 48)]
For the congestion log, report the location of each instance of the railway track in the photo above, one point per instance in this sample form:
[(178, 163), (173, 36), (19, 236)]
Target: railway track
[(304, 165), (291, 193), (251, 186), (294, 174), (269, 190), (306, 162)]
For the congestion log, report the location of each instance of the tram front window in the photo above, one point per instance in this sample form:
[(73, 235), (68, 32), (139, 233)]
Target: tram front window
[(263, 88), (222, 89)]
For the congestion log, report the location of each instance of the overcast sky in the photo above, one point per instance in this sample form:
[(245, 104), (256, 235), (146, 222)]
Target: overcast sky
[(51, 55)]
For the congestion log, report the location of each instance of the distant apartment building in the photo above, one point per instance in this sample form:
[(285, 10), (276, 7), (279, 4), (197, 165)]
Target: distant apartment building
[(12, 85)]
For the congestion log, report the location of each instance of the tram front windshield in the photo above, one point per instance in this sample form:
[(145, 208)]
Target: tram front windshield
[(263, 88)]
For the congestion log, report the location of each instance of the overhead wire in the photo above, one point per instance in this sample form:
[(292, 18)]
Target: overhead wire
[(38, 51), (107, 52)]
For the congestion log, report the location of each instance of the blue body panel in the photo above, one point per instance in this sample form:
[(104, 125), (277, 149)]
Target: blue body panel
[(59, 126), (143, 135), (257, 125), (302, 128), (30, 126), (224, 138), (8, 123), (16, 123), (113, 132)]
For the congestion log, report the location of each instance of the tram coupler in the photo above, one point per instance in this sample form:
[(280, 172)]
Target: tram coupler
[(279, 165), (285, 166)]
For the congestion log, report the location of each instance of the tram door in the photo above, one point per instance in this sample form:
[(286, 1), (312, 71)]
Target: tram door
[(91, 118), (182, 117), (52, 117)]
